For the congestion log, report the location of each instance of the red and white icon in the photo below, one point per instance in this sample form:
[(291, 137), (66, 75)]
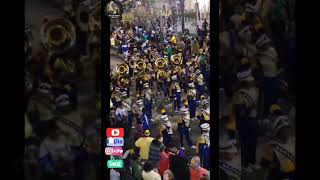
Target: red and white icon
[(115, 132), (113, 151)]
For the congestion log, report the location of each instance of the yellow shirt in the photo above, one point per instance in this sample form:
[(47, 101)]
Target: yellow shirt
[(144, 144)]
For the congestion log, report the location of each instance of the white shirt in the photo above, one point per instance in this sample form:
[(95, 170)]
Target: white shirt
[(152, 175)]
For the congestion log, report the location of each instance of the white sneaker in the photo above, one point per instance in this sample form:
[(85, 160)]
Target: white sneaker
[(255, 167), (248, 169), (193, 147)]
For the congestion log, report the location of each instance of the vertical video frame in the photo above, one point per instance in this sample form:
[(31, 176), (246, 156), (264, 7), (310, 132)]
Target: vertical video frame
[(62, 90), (257, 89), (159, 89)]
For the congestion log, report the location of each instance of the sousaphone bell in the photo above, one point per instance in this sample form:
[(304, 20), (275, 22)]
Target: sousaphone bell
[(122, 69), (58, 34)]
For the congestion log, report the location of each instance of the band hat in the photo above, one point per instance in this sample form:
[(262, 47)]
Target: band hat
[(124, 93), (250, 8), (245, 76), (147, 132), (191, 85), (245, 32), (164, 118), (198, 71), (204, 102), (146, 85), (263, 40), (140, 102), (174, 77), (167, 123), (205, 126)]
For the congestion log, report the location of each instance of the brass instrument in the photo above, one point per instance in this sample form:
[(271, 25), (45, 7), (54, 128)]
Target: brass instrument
[(176, 59), (122, 69), (176, 70), (122, 82), (161, 64), (58, 34), (140, 66)]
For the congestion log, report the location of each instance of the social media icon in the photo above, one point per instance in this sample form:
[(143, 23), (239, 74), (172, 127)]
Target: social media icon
[(118, 163), (115, 141), (113, 151), (115, 132)]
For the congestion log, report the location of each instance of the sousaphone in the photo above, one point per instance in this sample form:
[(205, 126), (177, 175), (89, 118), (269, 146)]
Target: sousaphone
[(122, 69), (58, 34), (176, 59)]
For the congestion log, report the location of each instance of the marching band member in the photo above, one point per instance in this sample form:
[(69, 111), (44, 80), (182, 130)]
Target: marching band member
[(203, 146), (127, 102), (230, 159), (200, 84), (204, 112), (121, 115), (176, 93), (192, 92), (137, 108), (167, 131), (279, 155), (184, 125), (148, 100), (246, 104)]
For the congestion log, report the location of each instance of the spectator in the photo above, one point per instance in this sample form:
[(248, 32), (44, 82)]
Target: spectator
[(148, 172), (136, 167), (156, 148), (144, 144), (168, 175), (179, 167), (170, 150), (196, 171)]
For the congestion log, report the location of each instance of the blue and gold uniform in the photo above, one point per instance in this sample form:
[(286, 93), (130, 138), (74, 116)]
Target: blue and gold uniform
[(203, 146)]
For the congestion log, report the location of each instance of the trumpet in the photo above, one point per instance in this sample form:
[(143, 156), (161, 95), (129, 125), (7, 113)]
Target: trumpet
[(58, 34), (122, 69)]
